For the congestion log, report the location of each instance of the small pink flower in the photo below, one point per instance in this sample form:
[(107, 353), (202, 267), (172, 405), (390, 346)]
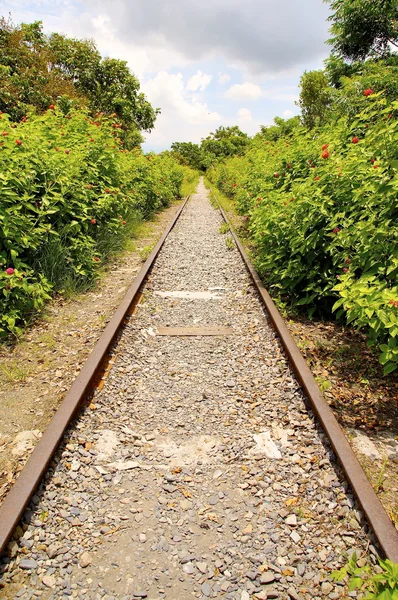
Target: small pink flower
[(10, 271)]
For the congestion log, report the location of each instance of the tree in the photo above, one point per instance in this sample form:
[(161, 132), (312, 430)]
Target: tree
[(25, 80), (315, 98), (363, 27), (225, 141), (36, 70), (281, 128), (189, 154)]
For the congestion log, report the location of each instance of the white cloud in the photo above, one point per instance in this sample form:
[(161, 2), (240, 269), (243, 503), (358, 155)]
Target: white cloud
[(182, 118), (244, 115), (287, 114), (244, 91), (263, 35), (199, 82), (223, 78)]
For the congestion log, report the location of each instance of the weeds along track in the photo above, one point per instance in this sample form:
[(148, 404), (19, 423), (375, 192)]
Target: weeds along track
[(197, 469)]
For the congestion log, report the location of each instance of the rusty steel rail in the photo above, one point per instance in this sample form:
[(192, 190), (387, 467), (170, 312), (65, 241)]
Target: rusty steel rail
[(19, 495), (377, 517)]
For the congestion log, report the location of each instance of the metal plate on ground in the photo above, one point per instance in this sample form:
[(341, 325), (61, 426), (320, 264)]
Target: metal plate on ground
[(198, 331)]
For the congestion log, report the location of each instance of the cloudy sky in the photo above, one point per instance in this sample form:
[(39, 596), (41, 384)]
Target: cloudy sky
[(205, 63)]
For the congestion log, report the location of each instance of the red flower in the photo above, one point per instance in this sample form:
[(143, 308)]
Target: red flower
[(276, 175), (355, 140), (66, 151), (18, 142), (291, 199), (5, 133), (325, 146), (325, 154), (10, 271), (368, 92), (107, 191), (336, 230), (92, 140), (345, 269), (316, 178), (375, 166), (93, 222), (96, 258), (124, 222), (288, 166), (51, 106), (57, 149), (347, 261)]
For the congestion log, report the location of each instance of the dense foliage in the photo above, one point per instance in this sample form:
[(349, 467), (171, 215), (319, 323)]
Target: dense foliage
[(323, 213), (224, 142), (363, 27), (70, 194), (37, 70)]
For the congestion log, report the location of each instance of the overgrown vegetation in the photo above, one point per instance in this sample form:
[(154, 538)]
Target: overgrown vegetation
[(320, 191), (74, 183), (37, 70)]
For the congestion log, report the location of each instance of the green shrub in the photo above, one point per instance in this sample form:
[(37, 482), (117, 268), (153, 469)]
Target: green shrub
[(70, 196), (323, 213), (378, 586)]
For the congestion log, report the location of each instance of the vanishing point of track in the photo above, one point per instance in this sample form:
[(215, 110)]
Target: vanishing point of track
[(236, 483)]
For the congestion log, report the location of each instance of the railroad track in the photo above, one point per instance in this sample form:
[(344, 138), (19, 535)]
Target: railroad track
[(196, 468)]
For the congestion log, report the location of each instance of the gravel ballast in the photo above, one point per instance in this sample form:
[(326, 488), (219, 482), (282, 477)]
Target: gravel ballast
[(198, 470)]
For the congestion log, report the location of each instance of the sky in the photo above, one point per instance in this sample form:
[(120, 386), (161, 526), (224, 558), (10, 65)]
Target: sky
[(204, 63)]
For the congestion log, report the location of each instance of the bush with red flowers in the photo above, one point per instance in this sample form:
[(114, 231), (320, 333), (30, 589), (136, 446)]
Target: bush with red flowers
[(57, 221), (348, 210)]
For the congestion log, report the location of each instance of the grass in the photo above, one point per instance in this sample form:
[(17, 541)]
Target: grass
[(189, 185), (14, 372), (224, 228), (146, 251), (53, 259), (229, 242)]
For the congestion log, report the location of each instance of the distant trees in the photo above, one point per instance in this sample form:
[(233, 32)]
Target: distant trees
[(37, 70), (224, 142), (315, 98), (281, 128)]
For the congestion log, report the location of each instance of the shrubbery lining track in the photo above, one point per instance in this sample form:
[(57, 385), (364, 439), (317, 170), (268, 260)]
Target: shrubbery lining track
[(370, 503), (17, 499)]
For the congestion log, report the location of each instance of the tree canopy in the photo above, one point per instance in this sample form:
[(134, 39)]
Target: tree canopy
[(37, 70), (363, 27)]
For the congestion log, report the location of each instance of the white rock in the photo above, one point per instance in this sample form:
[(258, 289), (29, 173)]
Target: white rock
[(48, 581), (363, 444), (106, 444), (295, 537), (265, 446), (124, 466), (85, 560), (25, 441)]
